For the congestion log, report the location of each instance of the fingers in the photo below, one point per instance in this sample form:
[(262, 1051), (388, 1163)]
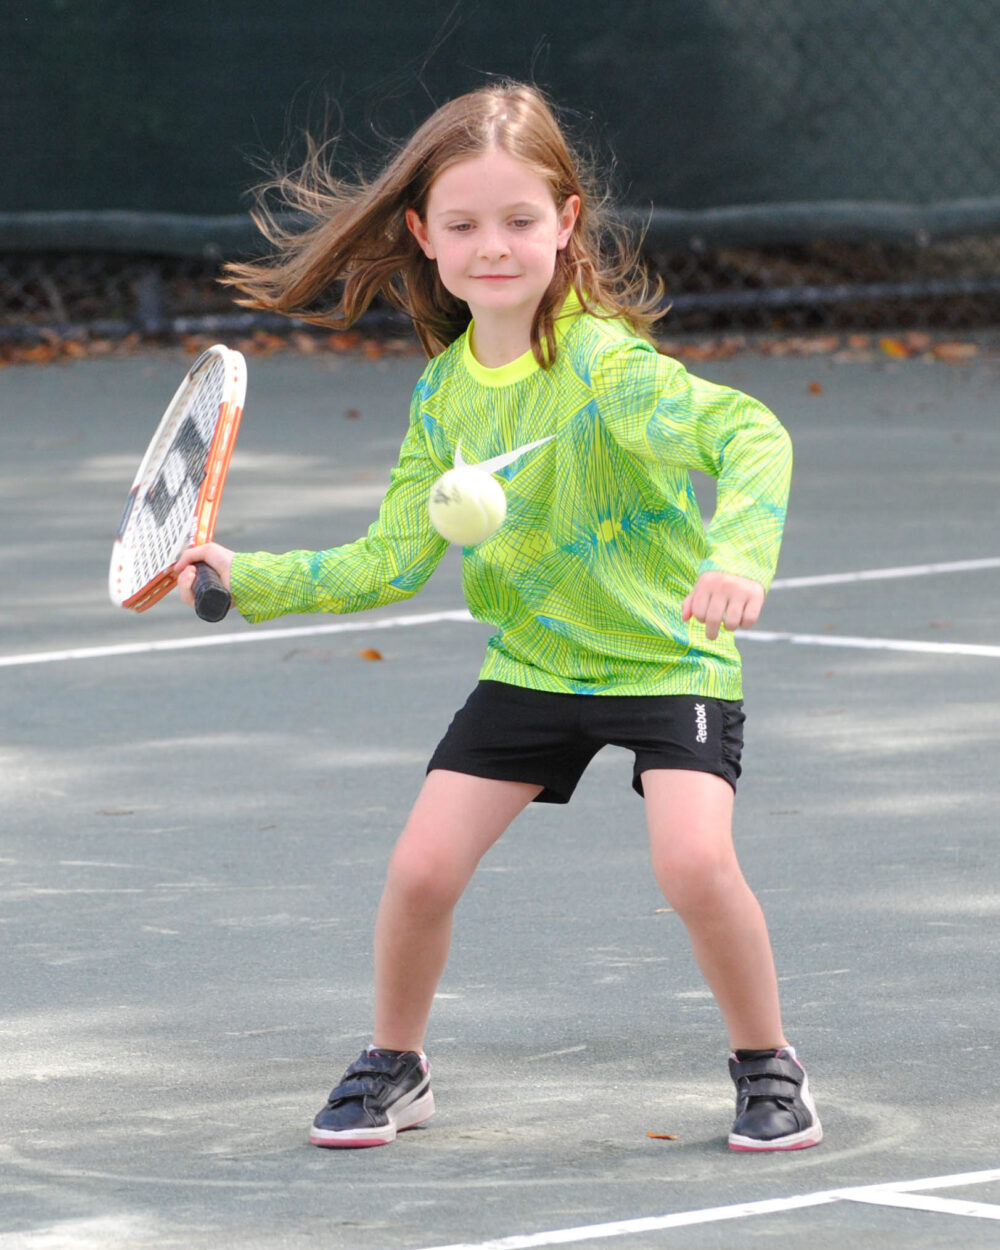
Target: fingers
[(722, 600), (218, 557)]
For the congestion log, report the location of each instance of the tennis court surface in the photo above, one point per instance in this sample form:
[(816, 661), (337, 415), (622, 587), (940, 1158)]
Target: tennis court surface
[(197, 818)]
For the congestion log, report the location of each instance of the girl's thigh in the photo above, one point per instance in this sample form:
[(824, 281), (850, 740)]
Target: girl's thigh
[(456, 819)]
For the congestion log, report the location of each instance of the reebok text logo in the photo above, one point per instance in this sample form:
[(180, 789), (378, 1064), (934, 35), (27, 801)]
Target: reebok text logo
[(701, 722)]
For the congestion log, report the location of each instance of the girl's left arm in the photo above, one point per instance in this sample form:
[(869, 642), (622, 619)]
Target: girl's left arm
[(670, 417)]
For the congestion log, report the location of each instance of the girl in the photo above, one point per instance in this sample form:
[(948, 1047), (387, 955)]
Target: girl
[(613, 606)]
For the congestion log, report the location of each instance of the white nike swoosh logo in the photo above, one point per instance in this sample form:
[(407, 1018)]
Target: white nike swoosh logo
[(496, 463)]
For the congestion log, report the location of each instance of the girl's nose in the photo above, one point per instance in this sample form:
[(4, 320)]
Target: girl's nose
[(492, 244)]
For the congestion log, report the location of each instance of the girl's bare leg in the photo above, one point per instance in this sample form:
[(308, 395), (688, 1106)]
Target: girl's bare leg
[(454, 822), (690, 826)]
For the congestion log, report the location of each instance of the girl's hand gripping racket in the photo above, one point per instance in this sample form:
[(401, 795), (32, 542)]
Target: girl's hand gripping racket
[(176, 493)]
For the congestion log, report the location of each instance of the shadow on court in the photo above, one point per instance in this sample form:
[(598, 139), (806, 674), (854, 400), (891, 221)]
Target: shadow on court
[(194, 841)]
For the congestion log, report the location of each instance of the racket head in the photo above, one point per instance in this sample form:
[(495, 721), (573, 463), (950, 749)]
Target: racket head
[(177, 489)]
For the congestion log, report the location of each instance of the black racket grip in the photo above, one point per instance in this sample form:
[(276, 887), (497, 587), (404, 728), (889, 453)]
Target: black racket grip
[(211, 599)]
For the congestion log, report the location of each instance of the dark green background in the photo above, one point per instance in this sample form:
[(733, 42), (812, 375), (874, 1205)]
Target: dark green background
[(106, 104)]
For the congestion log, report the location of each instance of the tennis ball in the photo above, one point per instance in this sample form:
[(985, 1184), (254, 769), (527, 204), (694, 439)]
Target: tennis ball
[(467, 505)]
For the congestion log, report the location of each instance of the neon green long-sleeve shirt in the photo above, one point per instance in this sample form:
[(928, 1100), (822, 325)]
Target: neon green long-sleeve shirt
[(603, 538)]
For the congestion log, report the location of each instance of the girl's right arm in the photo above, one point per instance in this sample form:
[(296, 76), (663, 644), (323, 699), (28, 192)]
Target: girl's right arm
[(389, 564)]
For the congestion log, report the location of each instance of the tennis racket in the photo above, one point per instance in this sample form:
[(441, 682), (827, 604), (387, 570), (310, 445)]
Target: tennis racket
[(176, 493)]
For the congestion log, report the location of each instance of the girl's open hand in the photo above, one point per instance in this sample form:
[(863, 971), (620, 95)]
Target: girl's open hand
[(218, 557), (723, 599)]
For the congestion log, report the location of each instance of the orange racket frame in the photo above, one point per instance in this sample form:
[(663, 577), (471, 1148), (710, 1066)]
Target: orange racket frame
[(206, 507)]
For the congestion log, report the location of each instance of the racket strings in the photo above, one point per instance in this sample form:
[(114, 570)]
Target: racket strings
[(163, 520)]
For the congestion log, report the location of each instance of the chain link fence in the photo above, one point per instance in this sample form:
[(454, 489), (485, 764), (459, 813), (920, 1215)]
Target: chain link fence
[(858, 158), (953, 286)]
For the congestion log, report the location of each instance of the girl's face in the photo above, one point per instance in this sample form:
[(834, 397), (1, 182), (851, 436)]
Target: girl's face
[(494, 230)]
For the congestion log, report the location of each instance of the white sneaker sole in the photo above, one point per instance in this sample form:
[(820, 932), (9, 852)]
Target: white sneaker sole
[(811, 1136), (400, 1119)]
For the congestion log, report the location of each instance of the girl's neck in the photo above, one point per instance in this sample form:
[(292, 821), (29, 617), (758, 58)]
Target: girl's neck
[(496, 343)]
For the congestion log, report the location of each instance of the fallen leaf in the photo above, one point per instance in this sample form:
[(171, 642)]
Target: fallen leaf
[(801, 345), (306, 344), (953, 352), (815, 388), (265, 344), (42, 354), (918, 340), (344, 340), (817, 345), (370, 653), (663, 1136)]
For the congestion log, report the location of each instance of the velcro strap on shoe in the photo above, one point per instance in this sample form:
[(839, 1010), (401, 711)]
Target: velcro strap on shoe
[(768, 1071), (356, 1088), (768, 1087), (379, 1064)]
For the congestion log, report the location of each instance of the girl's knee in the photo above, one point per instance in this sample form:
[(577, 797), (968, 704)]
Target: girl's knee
[(423, 881), (696, 875)]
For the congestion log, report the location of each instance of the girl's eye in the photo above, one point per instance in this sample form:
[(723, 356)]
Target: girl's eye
[(521, 223), (461, 227)]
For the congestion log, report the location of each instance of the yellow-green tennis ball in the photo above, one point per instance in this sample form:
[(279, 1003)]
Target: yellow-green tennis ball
[(467, 505)]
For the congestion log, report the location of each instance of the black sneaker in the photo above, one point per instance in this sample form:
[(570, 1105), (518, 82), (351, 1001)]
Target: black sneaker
[(774, 1110), (381, 1094)]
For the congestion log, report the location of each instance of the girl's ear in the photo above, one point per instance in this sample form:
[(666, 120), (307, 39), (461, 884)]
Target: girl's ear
[(567, 220), (419, 231)]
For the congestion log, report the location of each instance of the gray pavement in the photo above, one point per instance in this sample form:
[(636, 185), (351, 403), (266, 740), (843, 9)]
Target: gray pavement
[(193, 844)]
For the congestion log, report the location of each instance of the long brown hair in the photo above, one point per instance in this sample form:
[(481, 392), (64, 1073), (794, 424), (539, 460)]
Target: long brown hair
[(356, 245)]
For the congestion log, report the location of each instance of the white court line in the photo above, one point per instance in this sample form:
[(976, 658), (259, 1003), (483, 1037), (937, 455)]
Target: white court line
[(225, 640), (873, 644), (899, 1194), (462, 614), (874, 575), (922, 1202), (651, 1224)]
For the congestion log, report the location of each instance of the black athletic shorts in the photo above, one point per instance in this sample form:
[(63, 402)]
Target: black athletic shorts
[(510, 733)]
